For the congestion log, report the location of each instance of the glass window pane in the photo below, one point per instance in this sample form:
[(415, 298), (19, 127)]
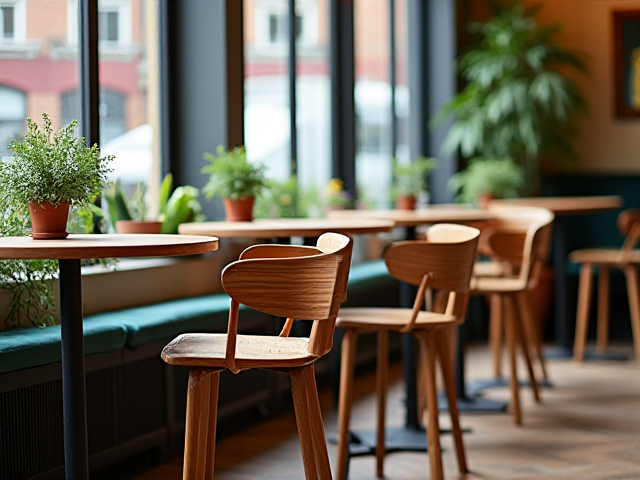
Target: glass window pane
[(129, 93), (266, 88), (373, 100), (37, 66)]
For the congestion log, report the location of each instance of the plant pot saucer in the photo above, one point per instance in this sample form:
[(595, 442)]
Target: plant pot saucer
[(49, 236)]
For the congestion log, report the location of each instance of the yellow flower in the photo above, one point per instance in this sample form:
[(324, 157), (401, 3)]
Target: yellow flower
[(334, 186)]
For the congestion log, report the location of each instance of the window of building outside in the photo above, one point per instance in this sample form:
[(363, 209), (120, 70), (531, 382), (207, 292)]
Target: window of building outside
[(36, 65), (13, 110), (374, 140), (129, 92), (267, 106)]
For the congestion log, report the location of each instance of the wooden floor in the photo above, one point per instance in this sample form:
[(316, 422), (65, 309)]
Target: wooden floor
[(587, 427)]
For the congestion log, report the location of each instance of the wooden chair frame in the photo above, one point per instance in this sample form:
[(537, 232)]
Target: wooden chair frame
[(443, 261), (293, 282)]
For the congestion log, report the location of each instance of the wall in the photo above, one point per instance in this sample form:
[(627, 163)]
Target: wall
[(605, 144)]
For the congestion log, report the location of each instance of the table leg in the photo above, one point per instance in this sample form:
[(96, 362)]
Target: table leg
[(76, 457)]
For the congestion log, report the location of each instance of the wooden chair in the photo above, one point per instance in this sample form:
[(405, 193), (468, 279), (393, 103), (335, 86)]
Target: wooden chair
[(293, 282), (626, 259), (522, 241), (504, 243), (443, 261)]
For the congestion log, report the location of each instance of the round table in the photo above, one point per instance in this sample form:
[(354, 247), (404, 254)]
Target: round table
[(286, 227), (70, 251), (563, 207)]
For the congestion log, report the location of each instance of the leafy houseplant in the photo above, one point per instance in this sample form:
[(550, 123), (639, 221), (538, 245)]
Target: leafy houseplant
[(130, 216), (487, 178), (517, 102), (50, 171), (410, 179), (236, 180), (282, 199)]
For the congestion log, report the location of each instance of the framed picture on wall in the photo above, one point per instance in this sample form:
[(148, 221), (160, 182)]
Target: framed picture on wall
[(626, 57)]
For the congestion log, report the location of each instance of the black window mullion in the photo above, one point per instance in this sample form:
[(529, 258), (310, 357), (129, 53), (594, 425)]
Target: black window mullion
[(392, 76), (292, 87), (343, 115), (89, 67)]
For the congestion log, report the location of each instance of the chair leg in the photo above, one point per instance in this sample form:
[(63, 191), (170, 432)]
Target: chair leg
[(634, 305), (524, 344), (511, 346), (200, 425), (444, 357), (531, 330), (582, 317), (428, 352), (317, 426), (495, 328), (382, 377), (603, 310), (349, 341), (301, 409)]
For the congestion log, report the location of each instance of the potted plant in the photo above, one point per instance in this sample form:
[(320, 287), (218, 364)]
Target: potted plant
[(50, 171), (236, 180), (518, 101), (410, 179), (130, 216), (488, 178)]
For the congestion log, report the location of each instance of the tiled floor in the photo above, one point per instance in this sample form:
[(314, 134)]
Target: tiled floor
[(587, 427)]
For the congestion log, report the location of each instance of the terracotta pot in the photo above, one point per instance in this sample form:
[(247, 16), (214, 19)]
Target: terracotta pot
[(239, 210), (406, 203), (49, 221), (484, 199), (134, 226)]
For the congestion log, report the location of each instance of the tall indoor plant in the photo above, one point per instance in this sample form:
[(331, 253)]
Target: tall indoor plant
[(48, 172), (235, 179), (518, 101)]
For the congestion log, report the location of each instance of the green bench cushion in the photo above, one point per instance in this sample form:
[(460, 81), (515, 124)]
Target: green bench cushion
[(166, 320), (31, 347), (368, 276)]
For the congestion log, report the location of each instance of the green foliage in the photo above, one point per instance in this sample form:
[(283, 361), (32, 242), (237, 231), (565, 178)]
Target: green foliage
[(179, 207), (282, 199), (411, 178), (52, 166), (30, 282), (498, 177), (518, 102), (231, 175)]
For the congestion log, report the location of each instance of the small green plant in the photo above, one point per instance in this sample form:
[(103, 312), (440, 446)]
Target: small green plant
[(179, 207), (410, 179), (282, 199), (54, 167), (497, 178), (232, 176)]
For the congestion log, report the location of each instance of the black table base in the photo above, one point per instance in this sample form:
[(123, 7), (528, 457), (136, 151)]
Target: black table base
[(76, 457)]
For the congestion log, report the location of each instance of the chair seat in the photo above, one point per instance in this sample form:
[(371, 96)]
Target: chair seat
[(488, 285), (391, 318), (252, 351), (605, 256), (488, 269)]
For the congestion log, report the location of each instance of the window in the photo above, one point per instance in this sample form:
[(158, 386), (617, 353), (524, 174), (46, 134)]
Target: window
[(13, 110), (115, 24), (108, 26), (270, 25), (12, 21)]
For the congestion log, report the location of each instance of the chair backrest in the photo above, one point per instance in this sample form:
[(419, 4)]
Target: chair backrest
[(522, 237), (629, 226), (443, 261), (295, 282)]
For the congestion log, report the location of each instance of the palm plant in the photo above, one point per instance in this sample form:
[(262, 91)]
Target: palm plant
[(517, 102)]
